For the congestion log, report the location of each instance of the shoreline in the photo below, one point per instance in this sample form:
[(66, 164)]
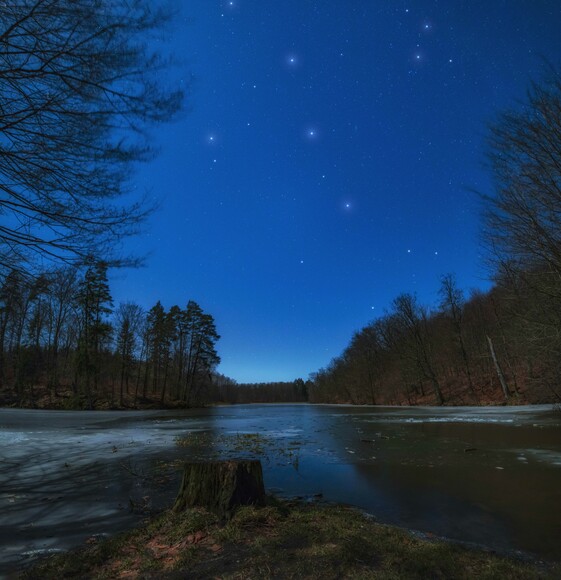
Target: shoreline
[(171, 407), (287, 538)]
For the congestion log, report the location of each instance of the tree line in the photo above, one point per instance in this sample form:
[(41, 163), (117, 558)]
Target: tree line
[(489, 347), (274, 392), (62, 340)]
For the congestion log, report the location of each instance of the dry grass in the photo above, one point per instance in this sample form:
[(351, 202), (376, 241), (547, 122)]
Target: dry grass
[(282, 540)]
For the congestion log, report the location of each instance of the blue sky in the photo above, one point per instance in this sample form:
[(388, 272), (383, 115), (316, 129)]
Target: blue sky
[(326, 163)]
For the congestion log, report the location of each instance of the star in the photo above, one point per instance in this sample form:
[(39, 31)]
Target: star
[(311, 134)]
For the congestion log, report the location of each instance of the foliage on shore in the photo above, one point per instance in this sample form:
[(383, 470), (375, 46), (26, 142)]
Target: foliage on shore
[(284, 539)]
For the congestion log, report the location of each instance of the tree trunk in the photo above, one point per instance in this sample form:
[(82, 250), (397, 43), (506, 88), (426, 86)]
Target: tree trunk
[(502, 380), (221, 486)]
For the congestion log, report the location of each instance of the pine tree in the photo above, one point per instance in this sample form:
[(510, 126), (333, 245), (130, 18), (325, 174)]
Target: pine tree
[(95, 304)]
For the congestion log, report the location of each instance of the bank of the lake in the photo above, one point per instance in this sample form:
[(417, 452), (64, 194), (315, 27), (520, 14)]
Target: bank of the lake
[(286, 540)]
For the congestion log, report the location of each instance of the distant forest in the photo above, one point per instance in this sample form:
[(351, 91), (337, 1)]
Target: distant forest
[(504, 345), (62, 344)]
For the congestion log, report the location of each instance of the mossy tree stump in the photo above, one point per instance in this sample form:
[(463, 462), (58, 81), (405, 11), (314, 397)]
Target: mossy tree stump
[(221, 486)]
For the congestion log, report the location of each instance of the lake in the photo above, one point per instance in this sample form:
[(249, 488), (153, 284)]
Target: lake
[(487, 475)]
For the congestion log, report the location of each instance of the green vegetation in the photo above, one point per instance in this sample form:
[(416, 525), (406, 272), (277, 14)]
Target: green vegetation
[(286, 540)]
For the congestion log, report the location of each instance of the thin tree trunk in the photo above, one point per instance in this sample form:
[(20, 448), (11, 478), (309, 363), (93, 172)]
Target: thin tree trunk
[(502, 380)]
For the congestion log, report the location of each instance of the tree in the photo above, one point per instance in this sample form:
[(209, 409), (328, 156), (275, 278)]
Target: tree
[(366, 354), (11, 298), (158, 343), (95, 302), (452, 304), (201, 357), (523, 221), (128, 323), (412, 318), (78, 88), (63, 290), (523, 218)]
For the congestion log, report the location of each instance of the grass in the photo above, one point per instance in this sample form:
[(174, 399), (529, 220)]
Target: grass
[(242, 445), (283, 539)]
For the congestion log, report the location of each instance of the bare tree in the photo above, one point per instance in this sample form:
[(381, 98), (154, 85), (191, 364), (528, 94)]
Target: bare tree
[(78, 91), (523, 221), (452, 304), (413, 320), (128, 323), (523, 217)]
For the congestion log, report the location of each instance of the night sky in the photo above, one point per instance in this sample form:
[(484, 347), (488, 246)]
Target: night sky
[(327, 163)]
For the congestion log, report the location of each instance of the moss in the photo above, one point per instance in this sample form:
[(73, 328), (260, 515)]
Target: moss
[(282, 539)]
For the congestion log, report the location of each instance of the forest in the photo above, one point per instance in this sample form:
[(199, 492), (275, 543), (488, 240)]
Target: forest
[(63, 344), (489, 348), (502, 346)]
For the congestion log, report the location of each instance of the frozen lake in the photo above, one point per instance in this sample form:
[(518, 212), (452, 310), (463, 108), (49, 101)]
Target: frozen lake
[(487, 475)]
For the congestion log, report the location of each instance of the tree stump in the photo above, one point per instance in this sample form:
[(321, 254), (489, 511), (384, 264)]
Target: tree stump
[(221, 486)]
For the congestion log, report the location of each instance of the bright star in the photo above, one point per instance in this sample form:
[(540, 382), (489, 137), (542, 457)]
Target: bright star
[(311, 133), (292, 60)]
